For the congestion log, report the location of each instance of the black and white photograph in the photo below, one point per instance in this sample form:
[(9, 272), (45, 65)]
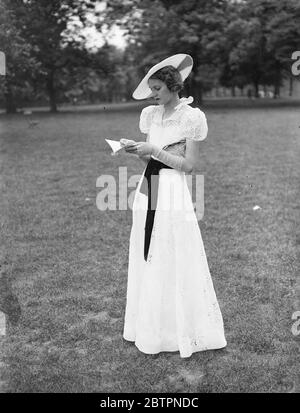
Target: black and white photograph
[(149, 175)]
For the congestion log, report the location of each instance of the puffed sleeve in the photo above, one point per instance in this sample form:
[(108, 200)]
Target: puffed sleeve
[(194, 125), (146, 119)]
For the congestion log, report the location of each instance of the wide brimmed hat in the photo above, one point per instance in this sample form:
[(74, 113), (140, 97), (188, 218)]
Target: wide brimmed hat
[(182, 62)]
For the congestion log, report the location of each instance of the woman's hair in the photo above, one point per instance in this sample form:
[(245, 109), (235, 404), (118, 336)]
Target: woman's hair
[(171, 77)]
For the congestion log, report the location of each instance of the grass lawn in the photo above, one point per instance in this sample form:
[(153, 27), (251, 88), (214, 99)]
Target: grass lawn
[(68, 260)]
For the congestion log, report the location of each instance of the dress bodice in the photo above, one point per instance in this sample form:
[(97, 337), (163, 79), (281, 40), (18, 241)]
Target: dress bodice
[(184, 123)]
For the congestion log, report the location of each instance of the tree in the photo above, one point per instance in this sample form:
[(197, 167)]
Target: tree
[(19, 61), (234, 43), (103, 79), (43, 24), (284, 35), (161, 27), (260, 41)]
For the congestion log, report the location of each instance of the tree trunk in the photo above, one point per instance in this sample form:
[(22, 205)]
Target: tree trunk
[(265, 91), (9, 100), (276, 91), (256, 89), (277, 82), (291, 86), (196, 89), (193, 88), (51, 92)]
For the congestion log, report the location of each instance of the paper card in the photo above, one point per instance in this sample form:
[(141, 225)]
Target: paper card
[(115, 145)]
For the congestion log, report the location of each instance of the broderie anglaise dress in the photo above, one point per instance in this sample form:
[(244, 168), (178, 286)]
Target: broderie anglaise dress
[(171, 303)]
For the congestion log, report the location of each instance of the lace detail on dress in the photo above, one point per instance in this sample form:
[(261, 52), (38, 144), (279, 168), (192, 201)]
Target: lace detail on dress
[(146, 118), (199, 343), (194, 125), (177, 148), (170, 122), (175, 118)]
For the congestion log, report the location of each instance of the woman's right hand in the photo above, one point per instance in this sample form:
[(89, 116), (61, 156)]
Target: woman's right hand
[(128, 145), (130, 148)]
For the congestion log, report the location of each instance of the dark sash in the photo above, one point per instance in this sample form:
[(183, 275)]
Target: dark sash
[(149, 187)]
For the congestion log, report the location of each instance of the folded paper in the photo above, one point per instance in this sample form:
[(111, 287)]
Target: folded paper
[(118, 145), (115, 145)]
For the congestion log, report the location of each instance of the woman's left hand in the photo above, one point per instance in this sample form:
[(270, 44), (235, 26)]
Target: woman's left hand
[(142, 148)]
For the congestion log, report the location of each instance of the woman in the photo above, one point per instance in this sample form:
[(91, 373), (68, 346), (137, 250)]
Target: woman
[(171, 302)]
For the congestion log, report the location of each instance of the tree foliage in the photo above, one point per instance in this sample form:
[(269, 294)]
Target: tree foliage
[(160, 28), (20, 62), (261, 37), (233, 43), (42, 25)]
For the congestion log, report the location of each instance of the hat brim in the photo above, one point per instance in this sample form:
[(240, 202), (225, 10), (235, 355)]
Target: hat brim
[(182, 62)]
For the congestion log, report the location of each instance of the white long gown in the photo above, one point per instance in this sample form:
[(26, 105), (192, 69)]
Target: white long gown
[(171, 303)]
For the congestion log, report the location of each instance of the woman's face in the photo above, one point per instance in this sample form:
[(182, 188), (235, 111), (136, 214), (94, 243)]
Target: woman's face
[(160, 91)]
